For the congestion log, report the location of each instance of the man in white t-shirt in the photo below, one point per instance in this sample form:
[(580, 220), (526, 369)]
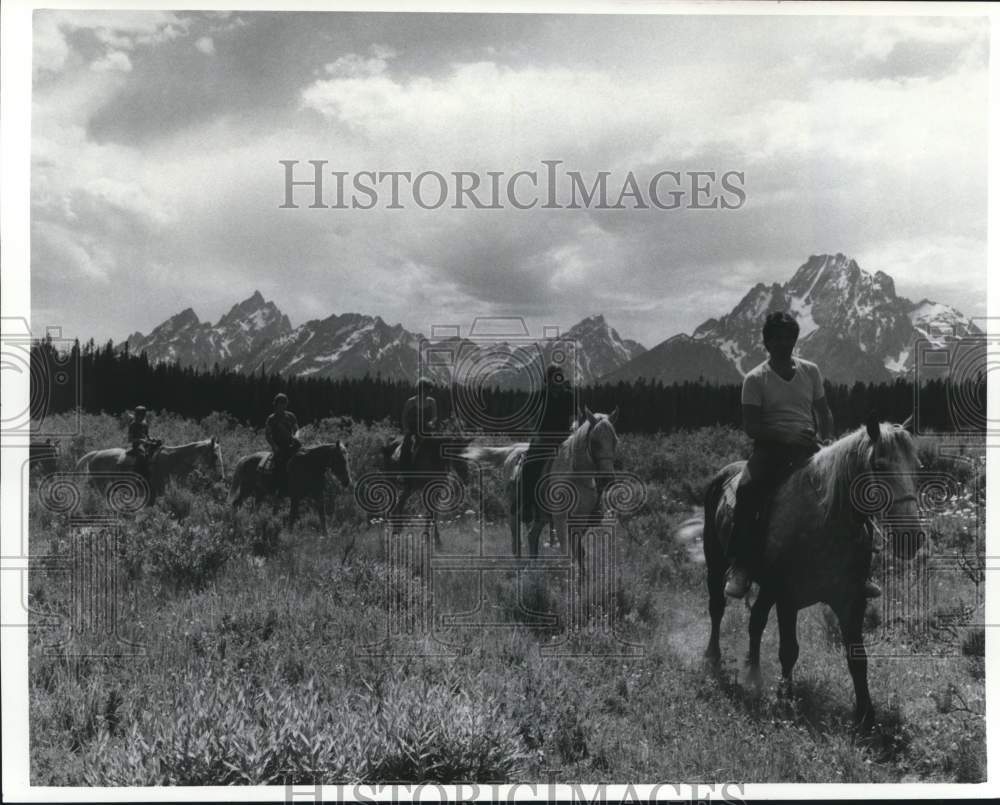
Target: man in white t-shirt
[(783, 401)]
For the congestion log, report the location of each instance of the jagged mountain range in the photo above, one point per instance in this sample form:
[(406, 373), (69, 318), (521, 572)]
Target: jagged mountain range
[(254, 334), (852, 323)]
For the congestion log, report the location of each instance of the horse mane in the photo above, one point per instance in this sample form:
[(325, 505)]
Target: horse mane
[(835, 466)]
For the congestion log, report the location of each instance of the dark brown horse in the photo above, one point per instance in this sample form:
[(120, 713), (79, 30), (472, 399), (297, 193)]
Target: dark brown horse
[(306, 470), (816, 547), (435, 458)]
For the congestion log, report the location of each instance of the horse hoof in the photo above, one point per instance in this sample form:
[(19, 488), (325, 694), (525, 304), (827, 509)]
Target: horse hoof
[(754, 681), (864, 722), (785, 689), (713, 655)]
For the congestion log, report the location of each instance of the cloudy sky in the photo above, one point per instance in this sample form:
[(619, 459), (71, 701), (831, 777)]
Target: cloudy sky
[(156, 140)]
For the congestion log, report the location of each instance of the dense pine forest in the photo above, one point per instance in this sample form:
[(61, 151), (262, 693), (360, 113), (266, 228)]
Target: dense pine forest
[(105, 378)]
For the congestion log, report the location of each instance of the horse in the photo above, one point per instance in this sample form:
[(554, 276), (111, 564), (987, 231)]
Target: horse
[(306, 468), (817, 546), (577, 475), (167, 462), (434, 458)]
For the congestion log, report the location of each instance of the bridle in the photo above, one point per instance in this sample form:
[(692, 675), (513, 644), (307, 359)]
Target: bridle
[(601, 480)]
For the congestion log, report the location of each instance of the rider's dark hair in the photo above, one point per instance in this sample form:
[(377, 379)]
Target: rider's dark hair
[(280, 397), (780, 321)]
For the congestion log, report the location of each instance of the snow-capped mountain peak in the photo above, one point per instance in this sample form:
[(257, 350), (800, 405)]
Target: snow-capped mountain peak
[(851, 322), (255, 334)]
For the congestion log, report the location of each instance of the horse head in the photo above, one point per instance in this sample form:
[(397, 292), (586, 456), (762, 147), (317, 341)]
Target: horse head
[(893, 464), (340, 464), (601, 445), (217, 463)]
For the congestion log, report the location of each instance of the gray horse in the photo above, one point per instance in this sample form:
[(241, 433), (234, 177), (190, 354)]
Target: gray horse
[(435, 457), (572, 482), (817, 547), (169, 462), (306, 470)]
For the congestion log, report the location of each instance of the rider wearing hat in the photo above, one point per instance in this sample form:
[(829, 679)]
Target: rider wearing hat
[(280, 429), (419, 416), (558, 413)]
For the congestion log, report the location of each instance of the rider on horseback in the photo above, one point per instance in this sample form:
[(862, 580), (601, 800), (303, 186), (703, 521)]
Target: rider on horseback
[(419, 417), (142, 447), (280, 429), (783, 399), (558, 413)]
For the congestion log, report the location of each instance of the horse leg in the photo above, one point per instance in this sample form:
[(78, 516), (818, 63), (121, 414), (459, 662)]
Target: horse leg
[(238, 500), (716, 608), (318, 500), (851, 616), (536, 529), (515, 521), (788, 643), (293, 512), (404, 495), (758, 620), (434, 527)]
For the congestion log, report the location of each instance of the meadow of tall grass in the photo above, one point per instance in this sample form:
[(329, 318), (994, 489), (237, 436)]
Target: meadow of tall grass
[(243, 651)]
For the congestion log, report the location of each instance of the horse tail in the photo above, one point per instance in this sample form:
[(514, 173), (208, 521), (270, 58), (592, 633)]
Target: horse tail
[(83, 465), (714, 554), (491, 456)]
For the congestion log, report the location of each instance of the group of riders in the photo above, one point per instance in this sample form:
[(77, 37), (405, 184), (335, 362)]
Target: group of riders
[(784, 408)]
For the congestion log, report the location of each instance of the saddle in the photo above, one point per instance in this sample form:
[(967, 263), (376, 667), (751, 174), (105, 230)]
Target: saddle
[(152, 447), (269, 465), (764, 512)]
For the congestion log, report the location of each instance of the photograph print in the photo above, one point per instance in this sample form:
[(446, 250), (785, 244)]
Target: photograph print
[(474, 399)]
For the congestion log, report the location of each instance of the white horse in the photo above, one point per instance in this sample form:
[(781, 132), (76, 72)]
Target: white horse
[(571, 484), (168, 462)]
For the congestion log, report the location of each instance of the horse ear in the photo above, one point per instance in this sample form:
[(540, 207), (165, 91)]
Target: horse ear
[(907, 424), (872, 425), (590, 416), (613, 416), (580, 415), (213, 441)]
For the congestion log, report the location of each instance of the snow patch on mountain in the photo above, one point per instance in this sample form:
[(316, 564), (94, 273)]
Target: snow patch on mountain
[(851, 322), (255, 335)]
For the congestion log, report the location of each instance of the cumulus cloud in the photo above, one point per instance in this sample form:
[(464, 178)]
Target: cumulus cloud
[(863, 135), (113, 60), (116, 31)]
